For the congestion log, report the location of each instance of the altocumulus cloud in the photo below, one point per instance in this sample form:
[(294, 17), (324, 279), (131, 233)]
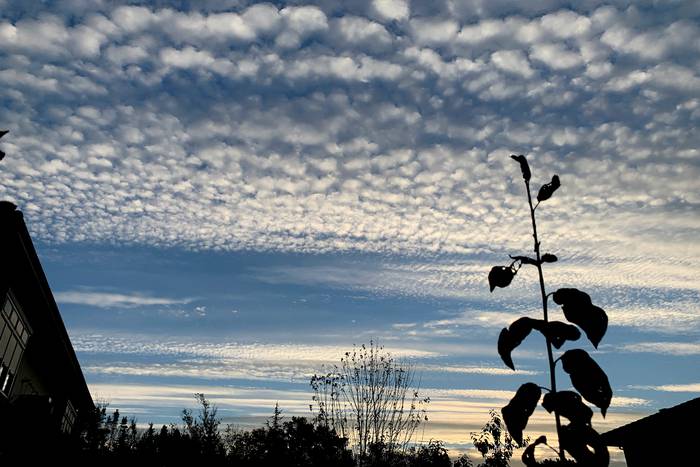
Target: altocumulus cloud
[(114, 300), (379, 126)]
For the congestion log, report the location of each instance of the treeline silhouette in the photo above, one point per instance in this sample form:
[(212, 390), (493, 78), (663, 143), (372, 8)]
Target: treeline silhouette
[(114, 439)]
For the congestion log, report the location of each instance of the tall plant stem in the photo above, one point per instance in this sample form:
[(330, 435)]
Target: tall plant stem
[(552, 373)]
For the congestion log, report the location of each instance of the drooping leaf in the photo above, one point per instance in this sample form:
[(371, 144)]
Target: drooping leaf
[(528, 457), (3, 133), (519, 409), (548, 189), (512, 336), (588, 378), (524, 167), (585, 445), (548, 258), (568, 404), (506, 344), (501, 276), (559, 332), (578, 309)]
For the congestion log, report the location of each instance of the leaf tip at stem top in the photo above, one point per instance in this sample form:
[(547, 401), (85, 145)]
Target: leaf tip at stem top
[(524, 167)]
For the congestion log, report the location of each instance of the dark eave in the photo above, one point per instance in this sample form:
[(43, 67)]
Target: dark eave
[(649, 426)]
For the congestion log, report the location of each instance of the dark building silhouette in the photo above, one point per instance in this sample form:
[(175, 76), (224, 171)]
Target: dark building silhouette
[(42, 389), (668, 437)]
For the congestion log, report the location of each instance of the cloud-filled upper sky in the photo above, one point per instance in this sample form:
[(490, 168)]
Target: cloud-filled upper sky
[(223, 184)]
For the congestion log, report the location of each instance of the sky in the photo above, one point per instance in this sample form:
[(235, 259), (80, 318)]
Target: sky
[(226, 196)]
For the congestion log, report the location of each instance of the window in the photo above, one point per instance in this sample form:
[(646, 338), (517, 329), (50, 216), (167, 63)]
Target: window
[(14, 334), (68, 419)]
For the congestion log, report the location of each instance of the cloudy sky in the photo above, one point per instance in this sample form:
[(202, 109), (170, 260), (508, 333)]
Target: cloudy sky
[(227, 195)]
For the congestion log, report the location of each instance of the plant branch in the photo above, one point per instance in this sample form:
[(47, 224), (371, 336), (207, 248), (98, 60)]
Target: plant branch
[(550, 447), (552, 368), (524, 260)]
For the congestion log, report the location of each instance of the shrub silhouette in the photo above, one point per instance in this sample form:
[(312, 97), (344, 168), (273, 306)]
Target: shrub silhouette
[(494, 443), (578, 437), (113, 440)]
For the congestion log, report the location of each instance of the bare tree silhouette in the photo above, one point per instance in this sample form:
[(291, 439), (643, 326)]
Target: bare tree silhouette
[(371, 399)]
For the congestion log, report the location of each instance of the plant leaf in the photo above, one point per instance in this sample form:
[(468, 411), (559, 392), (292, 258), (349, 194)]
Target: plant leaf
[(512, 336), (558, 333), (568, 404), (585, 445), (548, 258), (548, 189), (578, 309), (501, 276), (519, 409), (524, 167), (528, 457), (588, 378)]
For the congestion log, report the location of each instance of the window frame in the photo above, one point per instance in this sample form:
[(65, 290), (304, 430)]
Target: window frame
[(14, 331), (70, 415)]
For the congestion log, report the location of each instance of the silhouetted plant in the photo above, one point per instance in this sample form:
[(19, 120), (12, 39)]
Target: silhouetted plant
[(294, 443), (463, 461), (432, 454), (112, 440), (94, 430), (204, 429), (371, 399), (494, 443), (578, 437)]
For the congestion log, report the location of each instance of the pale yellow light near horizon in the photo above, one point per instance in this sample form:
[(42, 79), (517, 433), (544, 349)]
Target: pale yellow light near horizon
[(453, 413)]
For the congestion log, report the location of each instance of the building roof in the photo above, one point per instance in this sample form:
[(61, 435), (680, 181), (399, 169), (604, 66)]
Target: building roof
[(681, 417), (59, 349)]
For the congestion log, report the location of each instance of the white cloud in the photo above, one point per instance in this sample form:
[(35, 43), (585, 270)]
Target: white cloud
[(301, 22), (254, 352), (262, 17), (505, 396), (186, 58), (689, 387), (392, 9), (556, 56), (126, 54), (113, 300), (482, 31), (668, 348), (478, 370), (132, 18), (429, 31), (654, 44), (223, 360), (566, 24), (357, 30), (87, 42), (512, 61)]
